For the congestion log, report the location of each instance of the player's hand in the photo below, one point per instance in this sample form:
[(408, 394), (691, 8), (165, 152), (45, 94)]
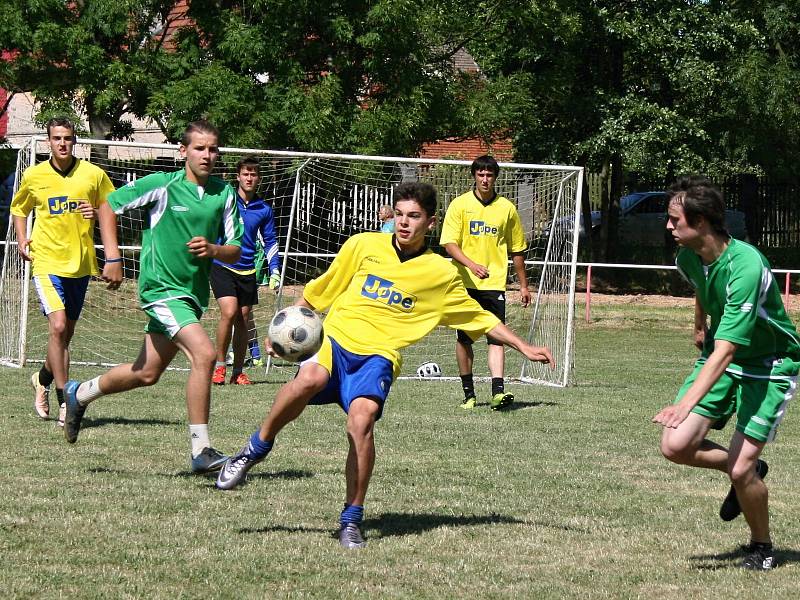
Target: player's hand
[(274, 280), (23, 248), (479, 271), (672, 415), (540, 354), (112, 275), (87, 210), (524, 296), (201, 247), (699, 338), (268, 347)]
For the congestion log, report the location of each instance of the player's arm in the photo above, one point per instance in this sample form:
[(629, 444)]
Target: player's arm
[(518, 260), (202, 248), (506, 335), (271, 255), (112, 269), (23, 243), (715, 366), (457, 254), (700, 324)]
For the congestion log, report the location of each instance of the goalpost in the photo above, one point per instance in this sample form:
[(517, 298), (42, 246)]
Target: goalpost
[(319, 200)]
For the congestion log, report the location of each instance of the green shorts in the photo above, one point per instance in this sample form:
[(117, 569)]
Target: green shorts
[(759, 399), (168, 317)]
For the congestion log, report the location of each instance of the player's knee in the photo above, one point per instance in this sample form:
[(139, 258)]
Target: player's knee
[(674, 450), (742, 473), (58, 327), (147, 377), (311, 381)]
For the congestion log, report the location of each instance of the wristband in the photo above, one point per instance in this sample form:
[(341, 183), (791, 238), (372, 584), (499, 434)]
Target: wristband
[(113, 260)]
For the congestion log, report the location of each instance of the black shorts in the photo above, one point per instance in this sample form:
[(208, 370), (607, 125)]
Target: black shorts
[(225, 282), (492, 300)]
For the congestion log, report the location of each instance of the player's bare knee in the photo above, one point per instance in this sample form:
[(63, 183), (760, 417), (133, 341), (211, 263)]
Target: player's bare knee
[(310, 381), (147, 376), (742, 473), (674, 450)]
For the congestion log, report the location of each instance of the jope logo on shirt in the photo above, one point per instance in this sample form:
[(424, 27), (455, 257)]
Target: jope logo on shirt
[(58, 205), (384, 291), (481, 228)]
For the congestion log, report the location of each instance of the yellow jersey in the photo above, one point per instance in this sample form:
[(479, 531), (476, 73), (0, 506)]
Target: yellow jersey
[(487, 234), (379, 302), (62, 240)]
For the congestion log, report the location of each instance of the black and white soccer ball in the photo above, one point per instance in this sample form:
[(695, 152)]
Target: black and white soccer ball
[(428, 369), (296, 333)]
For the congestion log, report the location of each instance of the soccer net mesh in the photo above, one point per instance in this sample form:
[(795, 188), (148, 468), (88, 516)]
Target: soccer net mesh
[(318, 201)]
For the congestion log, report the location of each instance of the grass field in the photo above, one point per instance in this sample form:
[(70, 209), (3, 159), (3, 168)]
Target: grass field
[(566, 496)]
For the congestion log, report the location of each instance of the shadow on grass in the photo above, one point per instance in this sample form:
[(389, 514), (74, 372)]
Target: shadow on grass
[(518, 405), (102, 422), (401, 524), (726, 560), (290, 474), (396, 524)]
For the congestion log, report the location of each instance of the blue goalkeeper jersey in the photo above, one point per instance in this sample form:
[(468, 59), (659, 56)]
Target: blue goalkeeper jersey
[(258, 221)]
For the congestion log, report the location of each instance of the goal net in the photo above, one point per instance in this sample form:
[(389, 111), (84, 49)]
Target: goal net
[(319, 200)]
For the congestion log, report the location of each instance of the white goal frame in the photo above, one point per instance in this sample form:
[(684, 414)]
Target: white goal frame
[(322, 196)]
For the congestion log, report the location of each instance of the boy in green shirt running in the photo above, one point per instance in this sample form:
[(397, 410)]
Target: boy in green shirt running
[(750, 357), (186, 210)]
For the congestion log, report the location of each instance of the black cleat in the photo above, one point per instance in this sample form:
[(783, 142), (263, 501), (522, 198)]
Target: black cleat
[(761, 557), (208, 460), (730, 508), (74, 411)]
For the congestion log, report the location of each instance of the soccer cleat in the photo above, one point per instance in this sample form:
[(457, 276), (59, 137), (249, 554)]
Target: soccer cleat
[(41, 399), (208, 460), (218, 378), (469, 403), (350, 536), (761, 557), (730, 508), (240, 379), (257, 362), (229, 358), (501, 401), (74, 411), (235, 470)]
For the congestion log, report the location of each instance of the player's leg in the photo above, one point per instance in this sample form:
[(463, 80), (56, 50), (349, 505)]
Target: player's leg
[(240, 339), (465, 357), (223, 287), (290, 401), (495, 302), (687, 444), (750, 488), (361, 418), (155, 355)]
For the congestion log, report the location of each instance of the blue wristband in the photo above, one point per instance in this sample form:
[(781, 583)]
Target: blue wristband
[(113, 260)]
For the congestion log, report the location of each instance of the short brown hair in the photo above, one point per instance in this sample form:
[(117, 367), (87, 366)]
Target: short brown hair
[(60, 122), (699, 197), (201, 126)]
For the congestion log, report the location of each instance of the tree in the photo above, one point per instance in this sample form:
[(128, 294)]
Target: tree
[(367, 77), (658, 87), (100, 58)]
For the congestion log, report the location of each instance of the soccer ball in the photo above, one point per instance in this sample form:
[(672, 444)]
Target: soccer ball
[(296, 333), (429, 369)]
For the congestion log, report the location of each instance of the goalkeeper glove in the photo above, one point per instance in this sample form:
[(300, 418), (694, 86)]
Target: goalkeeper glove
[(274, 280)]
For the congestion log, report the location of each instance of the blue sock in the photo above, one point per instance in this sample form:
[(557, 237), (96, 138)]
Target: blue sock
[(257, 448), (255, 350), (352, 513)]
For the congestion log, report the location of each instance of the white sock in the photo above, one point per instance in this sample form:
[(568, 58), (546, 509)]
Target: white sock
[(88, 391), (199, 437)]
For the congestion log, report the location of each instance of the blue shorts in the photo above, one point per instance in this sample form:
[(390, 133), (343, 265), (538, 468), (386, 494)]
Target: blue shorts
[(61, 293), (352, 376)]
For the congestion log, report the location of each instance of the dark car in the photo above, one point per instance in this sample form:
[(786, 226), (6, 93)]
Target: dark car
[(643, 217), (6, 193)]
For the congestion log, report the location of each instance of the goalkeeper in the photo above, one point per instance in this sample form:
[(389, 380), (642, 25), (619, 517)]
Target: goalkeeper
[(383, 293), (234, 285), (185, 210)]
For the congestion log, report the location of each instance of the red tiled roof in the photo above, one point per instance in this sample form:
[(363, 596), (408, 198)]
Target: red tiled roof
[(468, 149)]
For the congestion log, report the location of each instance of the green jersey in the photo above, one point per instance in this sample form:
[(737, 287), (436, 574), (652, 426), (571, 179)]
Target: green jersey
[(177, 211), (742, 299)]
